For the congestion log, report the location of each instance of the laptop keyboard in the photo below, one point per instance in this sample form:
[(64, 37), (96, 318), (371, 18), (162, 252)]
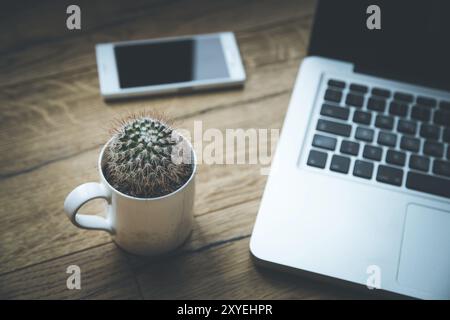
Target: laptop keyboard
[(394, 138)]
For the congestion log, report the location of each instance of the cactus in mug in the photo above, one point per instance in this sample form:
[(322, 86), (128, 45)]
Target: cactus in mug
[(139, 158)]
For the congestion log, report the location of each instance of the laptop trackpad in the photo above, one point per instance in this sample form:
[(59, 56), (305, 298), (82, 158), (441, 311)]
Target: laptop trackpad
[(425, 253)]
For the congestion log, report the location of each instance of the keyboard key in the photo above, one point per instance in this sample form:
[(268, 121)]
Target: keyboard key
[(364, 134), (317, 159), (445, 105), (333, 95), (396, 157), (334, 127), (363, 169), (398, 109), (390, 175), (420, 113), (430, 131), (334, 112), (434, 149), (441, 167), (405, 97), (376, 104), (358, 88), (373, 153), (446, 135), (340, 164), (354, 100), (425, 101), (408, 127), (381, 92), (362, 117), (384, 122), (410, 144), (349, 147), (324, 142), (387, 139), (419, 163), (429, 184), (336, 83), (442, 117)]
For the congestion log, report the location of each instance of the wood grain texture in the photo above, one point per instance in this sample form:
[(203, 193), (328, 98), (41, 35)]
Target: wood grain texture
[(39, 204), (216, 264), (43, 116), (105, 274), (53, 123)]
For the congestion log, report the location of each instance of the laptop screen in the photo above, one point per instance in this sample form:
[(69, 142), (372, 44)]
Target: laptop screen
[(412, 44)]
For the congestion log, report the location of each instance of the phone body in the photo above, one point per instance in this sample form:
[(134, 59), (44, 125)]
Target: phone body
[(169, 65)]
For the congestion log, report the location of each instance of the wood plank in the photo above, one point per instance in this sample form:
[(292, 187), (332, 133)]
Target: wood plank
[(30, 23), (216, 264), (33, 226), (227, 272), (41, 118), (105, 274), (57, 130), (28, 55)]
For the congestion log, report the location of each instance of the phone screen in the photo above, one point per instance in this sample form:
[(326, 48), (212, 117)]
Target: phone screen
[(166, 62)]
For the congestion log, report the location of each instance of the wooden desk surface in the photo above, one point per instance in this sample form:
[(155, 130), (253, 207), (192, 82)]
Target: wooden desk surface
[(53, 123)]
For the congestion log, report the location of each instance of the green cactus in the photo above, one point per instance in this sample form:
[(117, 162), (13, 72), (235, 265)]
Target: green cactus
[(138, 159)]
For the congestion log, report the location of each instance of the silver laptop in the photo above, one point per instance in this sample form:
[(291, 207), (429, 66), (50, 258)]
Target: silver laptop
[(359, 188)]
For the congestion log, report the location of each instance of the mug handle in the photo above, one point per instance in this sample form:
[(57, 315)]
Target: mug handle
[(81, 195)]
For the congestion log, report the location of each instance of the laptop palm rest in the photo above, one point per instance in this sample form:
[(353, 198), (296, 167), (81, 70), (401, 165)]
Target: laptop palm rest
[(425, 255)]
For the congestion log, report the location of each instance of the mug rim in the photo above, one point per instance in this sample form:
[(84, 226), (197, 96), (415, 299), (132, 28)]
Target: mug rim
[(104, 180)]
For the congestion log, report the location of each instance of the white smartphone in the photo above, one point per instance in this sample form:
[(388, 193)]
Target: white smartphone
[(165, 65)]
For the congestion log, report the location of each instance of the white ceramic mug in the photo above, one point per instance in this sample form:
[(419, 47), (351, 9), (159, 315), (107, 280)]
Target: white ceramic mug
[(145, 226)]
